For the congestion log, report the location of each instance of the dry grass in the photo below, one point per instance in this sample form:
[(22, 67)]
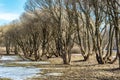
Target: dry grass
[(2, 50), (79, 70), (4, 79)]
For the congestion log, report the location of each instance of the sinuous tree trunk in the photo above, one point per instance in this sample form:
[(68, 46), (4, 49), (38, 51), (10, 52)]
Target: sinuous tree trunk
[(7, 47), (7, 50), (114, 14), (16, 49)]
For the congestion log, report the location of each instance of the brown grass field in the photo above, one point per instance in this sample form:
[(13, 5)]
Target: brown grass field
[(79, 70)]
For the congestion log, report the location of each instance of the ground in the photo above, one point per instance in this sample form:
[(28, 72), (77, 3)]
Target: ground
[(77, 70), (80, 70)]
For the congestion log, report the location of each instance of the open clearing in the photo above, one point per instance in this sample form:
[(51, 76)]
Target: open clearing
[(53, 69), (79, 70)]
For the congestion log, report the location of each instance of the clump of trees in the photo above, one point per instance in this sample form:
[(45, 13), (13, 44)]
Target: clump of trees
[(53, 27)]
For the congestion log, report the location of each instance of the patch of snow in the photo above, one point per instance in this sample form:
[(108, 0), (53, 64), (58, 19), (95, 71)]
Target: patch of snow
[(11, 58), (54, 74), (32, 62), (1, 64), (18, 73)]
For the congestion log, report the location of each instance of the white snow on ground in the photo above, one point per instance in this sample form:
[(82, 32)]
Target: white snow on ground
[(32, 62), (18, 73), (54, 74), (11, 58)]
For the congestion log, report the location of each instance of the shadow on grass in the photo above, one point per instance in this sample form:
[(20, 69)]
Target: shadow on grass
[(111, 70), (78, 61)]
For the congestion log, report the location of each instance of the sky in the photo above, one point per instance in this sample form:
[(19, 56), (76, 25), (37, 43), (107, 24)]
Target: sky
[(10, 10)]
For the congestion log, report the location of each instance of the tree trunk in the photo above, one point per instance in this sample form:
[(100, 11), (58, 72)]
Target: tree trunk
[(16, 49), (66, 57), (8, 50)]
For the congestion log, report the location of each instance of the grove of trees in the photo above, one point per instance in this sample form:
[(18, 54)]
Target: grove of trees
[(54, 27)]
